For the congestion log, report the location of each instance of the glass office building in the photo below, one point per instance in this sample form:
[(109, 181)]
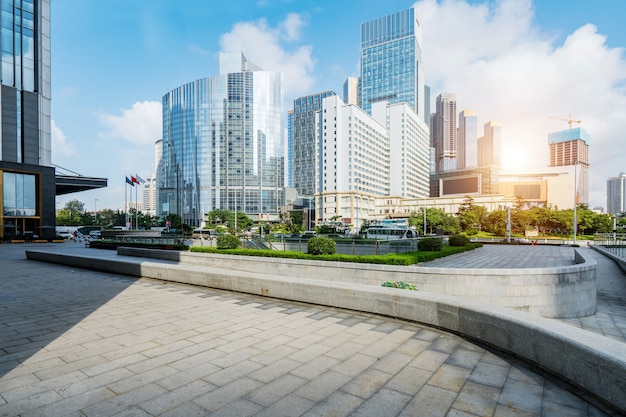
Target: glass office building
[(27, 180), (223, 143), (391, 62), (305, 142)]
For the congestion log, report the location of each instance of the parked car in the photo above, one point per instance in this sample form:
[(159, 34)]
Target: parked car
[(308, 234)]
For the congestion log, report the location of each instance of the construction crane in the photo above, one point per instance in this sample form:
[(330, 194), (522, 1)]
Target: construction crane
[(569, 121)]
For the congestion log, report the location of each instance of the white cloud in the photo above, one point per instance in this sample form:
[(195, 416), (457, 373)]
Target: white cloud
[(498, 63), (141, 124), (263, 46), (62, 150)]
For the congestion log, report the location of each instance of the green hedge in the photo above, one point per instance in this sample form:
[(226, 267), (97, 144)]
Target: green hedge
[(458, 240), (429, 244), (402, 259)]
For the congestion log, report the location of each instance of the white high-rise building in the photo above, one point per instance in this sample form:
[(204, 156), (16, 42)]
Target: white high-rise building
[(409, 150), (351, 91), (354, 149), (467, 140)]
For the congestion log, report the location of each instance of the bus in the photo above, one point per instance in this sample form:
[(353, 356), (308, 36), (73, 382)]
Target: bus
[(204, 234), (390, 232)]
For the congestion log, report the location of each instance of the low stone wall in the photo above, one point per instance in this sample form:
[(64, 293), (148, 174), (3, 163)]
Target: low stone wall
[(590, 361), (620, 261), (554, 292)]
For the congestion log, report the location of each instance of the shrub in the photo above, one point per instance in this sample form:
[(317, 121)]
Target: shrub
[(321, 246), (458, 240), (399, 284), (429, 244), (227, 241)]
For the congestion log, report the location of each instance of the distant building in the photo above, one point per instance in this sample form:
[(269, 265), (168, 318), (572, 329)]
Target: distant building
[(306, 146), (289, 180), (391, 62), (571, 148), (223, 143), (467, 140), (616, 194), (490, 145), (351, 91), (444, 132)]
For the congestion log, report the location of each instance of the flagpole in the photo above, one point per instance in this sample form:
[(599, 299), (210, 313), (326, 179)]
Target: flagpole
[(136, 209), (125, 203)]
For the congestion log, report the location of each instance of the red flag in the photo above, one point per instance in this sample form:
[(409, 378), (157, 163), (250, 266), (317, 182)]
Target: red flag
[(133, 179)]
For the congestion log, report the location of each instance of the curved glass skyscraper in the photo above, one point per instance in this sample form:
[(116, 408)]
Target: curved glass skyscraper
[(223, 143)]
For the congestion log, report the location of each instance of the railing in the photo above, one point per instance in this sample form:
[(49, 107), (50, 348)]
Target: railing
[(612, 243)]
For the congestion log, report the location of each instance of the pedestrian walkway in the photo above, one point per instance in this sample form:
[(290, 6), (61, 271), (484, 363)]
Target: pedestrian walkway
[(84, 343), (610, 320)]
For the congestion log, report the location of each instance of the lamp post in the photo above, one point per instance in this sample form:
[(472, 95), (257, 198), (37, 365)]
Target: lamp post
[(95, 211), (575, 202)]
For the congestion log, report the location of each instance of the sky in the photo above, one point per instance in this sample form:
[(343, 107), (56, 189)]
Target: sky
[(527, 64)]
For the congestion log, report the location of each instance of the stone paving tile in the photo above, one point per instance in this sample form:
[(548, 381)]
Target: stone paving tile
[(199, 352)]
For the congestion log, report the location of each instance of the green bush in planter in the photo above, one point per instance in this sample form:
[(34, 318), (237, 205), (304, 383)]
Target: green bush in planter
[(228, 241), (458, 240), (430, 244), (321, 246)]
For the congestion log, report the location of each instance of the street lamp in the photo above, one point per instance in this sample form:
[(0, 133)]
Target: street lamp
[(95, 211), (575, 202)]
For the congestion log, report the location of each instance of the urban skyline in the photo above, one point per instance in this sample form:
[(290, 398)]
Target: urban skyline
[(290, 34)]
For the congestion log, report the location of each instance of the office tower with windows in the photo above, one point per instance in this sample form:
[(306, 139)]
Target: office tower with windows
[(467, 137), (391, 62), (490, 145), (616, 194), (353, 151), (27, 178), (305, 143), (409, 150), (444, 132), (223, 143), (571, 148), (289, 156)]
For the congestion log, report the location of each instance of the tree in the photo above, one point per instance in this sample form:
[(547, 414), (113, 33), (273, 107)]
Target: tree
[(294, 223), (71, 214)]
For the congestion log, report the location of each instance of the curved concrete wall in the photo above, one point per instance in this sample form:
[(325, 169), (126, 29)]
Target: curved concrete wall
[(555, 292), (590, 361)]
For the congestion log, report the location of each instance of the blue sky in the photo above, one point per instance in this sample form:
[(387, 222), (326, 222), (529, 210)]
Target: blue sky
[(517, 61)]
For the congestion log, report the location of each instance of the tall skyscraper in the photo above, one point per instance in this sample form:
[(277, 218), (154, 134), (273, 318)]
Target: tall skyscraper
[(223, 143), (490, 145), (28, 179), (616, 194), (571, 148), (444, 132), (467, 140), (290, 155), (391, 61), (305, 143)]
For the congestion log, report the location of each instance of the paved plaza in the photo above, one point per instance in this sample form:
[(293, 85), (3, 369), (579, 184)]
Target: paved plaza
[(84, 343)]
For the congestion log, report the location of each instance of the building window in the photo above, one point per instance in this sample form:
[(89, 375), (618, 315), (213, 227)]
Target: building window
[(19, 194)]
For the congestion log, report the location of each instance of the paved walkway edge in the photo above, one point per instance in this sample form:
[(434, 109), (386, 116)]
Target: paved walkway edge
[(591, 362), (620, 261)]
